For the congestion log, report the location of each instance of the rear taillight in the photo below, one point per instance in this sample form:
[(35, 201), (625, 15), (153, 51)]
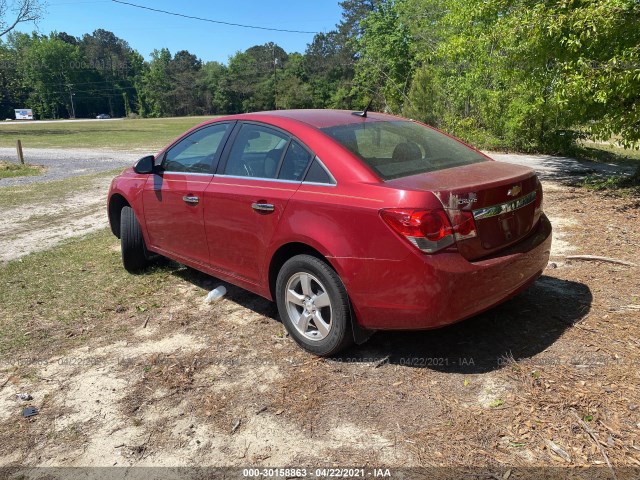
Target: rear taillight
[(538, 197), (430, 230), (464, 226)]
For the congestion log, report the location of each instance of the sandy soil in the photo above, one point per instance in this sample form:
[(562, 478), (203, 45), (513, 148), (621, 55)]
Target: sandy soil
[(41, 226)]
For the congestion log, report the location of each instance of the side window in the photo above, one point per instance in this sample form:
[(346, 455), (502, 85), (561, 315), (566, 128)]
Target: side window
[(317, 174), (197, 152), (295, 162), (256, 152)]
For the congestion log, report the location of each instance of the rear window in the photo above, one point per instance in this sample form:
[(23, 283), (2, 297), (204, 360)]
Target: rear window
[(401, 148)]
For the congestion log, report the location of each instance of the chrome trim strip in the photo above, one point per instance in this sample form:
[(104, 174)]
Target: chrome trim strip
[(318, 184), (496, 210), (171, 172), (242, 177), (302, 182)]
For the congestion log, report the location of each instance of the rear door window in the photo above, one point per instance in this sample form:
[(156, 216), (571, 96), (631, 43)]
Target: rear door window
[(256, 152), (295, 162)]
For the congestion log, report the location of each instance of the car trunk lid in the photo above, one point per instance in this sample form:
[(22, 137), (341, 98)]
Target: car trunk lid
[(501, 197)]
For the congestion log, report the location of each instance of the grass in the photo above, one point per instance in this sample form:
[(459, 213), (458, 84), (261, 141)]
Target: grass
[(12, 169), (62, 297), (626, 186), (622, 185), (144, 134), (50, 192), (607, 153)]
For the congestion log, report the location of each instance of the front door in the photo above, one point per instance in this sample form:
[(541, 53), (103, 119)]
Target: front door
[(173, 197)]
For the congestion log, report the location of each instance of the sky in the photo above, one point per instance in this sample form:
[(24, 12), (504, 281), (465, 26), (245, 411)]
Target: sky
[(146, 30)]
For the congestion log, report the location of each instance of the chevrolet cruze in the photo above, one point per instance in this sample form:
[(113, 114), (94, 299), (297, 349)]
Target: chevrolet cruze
[(351, 222)]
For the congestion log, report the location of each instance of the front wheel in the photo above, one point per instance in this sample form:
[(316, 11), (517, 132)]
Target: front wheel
[(134, 251), (313, 305)]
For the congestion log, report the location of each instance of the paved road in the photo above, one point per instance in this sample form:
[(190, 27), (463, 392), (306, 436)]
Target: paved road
[(69, 120), (64, 163)]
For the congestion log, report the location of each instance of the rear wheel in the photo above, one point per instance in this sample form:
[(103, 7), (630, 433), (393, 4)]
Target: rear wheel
[(313, 305), (134, 251)]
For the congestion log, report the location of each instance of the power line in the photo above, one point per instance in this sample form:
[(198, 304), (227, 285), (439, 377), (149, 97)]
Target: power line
[(210, 20)]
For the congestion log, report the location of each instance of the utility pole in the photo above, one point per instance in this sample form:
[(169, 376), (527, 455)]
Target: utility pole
[(73, 108), (275, 77)]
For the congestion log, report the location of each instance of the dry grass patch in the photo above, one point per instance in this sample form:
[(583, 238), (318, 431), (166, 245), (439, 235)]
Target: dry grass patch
[(12, 169)]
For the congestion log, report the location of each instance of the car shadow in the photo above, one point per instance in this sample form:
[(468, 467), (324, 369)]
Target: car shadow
[(520, 328)]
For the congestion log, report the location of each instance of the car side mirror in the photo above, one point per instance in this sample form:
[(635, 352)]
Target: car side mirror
[(144, 165)]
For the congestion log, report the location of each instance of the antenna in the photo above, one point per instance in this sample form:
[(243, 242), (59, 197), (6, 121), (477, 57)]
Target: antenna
[(363, 114)]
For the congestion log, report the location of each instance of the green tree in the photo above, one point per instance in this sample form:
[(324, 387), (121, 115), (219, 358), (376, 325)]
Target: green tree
[(252, 77), (110, 66), (292, 85), (519, 74), (156, 85), (46, 65), (213, 82), (12, 93), (184, 96), (385, 63)]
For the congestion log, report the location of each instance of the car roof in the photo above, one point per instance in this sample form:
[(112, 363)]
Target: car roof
[(319, 118)]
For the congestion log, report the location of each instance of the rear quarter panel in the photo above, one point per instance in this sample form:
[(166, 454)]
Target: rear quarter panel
[(343, 223)]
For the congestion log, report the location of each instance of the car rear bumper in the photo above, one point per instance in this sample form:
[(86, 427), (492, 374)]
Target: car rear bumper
[(431, 291)]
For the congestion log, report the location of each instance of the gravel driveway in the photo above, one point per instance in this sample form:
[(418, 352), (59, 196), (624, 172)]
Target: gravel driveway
[(561, 169), (62, 163)]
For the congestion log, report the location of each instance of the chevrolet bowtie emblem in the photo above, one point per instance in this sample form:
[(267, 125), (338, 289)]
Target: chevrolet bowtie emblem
[(514, 191)]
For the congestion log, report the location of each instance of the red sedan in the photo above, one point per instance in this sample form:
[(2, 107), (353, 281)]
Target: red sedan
[(351, 221)]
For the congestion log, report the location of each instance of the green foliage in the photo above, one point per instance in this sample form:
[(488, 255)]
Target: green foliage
[(520, 75), (45, 65), (385, 63), (329, 66)]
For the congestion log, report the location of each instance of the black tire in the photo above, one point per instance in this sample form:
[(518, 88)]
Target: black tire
[(323, 279), (134, 251)]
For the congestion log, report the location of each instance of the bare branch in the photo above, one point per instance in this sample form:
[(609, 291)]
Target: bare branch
[(21, 11)]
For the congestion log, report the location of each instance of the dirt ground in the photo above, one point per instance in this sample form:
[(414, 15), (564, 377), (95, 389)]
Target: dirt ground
[(44, 224), (550, 378)]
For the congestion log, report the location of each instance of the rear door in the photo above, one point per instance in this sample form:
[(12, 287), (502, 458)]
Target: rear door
[(244, 202), (173, 197)]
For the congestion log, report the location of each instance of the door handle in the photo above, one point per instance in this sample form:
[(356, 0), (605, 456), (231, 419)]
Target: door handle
[(191, 199), (263, 207)]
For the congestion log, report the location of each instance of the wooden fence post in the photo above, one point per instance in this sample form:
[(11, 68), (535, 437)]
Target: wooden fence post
[(20, 154)]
